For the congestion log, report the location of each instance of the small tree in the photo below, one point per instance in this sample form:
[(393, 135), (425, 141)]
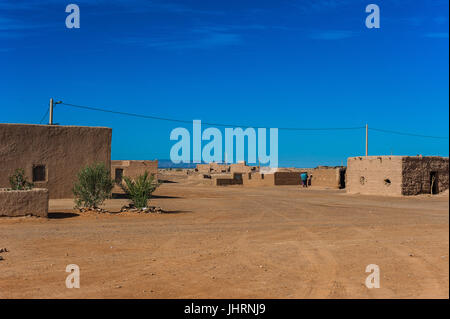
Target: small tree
[(140, 189), (19, 181), (94, 185)]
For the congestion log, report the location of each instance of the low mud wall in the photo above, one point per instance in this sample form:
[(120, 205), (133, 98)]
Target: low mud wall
[(24, 202), (287, 178)]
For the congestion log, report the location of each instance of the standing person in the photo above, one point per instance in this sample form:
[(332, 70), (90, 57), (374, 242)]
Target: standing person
[(304, 177)]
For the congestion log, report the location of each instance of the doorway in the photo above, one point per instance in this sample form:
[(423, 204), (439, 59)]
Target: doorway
[(342, 178), (434, 183), (119, 175)]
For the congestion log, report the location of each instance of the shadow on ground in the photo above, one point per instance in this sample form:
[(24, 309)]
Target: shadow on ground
[(166, 181), (125, 196), (60, 215), (177, 211)]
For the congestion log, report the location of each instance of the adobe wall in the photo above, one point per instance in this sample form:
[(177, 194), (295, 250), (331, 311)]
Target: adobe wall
[(227, 179), (258, 179), (24, 202), (134, 168), (64, 150), (416, 174), (287, 178), (372, 174), (325, 176)]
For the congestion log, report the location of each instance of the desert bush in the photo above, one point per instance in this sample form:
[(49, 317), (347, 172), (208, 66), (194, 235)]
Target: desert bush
[(93, 186), (140, 189), (19, 181)]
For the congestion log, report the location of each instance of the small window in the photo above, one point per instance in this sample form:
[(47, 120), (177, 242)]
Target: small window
[(39, 174), (387, 182), (119, 175), (362, 180)]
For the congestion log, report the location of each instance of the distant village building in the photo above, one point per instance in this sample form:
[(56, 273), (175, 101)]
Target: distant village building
[(133, 168), (397, 175), (52, 155), (219, 168)]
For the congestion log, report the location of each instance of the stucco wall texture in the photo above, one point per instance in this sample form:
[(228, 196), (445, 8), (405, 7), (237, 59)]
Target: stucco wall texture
[(25, 202), (63, 150), (396, 175)]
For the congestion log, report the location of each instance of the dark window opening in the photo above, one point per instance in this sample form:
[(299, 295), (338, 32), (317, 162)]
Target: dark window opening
[(434, 183), (262, 176), (39, 173), (119, 175), (362, 180), (387, 182)]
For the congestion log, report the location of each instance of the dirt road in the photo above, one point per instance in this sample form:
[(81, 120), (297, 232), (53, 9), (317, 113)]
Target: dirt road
[(233, 242)]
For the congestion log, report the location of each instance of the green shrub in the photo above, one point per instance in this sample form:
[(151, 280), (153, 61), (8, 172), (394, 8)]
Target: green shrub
[(19, 181), (93, 186), (140, 189)]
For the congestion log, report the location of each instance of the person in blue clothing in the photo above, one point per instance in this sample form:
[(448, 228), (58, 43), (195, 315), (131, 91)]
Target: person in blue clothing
[(304, 177)]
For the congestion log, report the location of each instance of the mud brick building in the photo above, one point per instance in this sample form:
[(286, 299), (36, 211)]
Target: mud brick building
[(133, 169), (220, 168), (328, 176), (52, 155), (242, 167), (271, 179), (397, 175)]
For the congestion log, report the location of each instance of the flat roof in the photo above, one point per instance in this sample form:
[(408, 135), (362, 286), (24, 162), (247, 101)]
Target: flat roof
[(53, 125)]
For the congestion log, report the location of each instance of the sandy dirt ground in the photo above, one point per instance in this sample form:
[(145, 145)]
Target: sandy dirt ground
[(233, 242)]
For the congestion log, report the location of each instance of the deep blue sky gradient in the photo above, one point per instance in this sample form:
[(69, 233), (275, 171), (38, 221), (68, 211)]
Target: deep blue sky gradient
[(260, 63)]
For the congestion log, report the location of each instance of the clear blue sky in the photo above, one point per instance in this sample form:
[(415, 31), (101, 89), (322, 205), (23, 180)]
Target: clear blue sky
[(304, 63)]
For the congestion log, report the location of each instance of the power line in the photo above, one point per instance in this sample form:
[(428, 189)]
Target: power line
[(45, 115), (205, 123), (244, 126), (407, 134)]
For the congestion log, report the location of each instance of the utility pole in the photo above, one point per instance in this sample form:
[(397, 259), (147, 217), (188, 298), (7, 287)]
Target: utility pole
[(50, 120), (367, 140)]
